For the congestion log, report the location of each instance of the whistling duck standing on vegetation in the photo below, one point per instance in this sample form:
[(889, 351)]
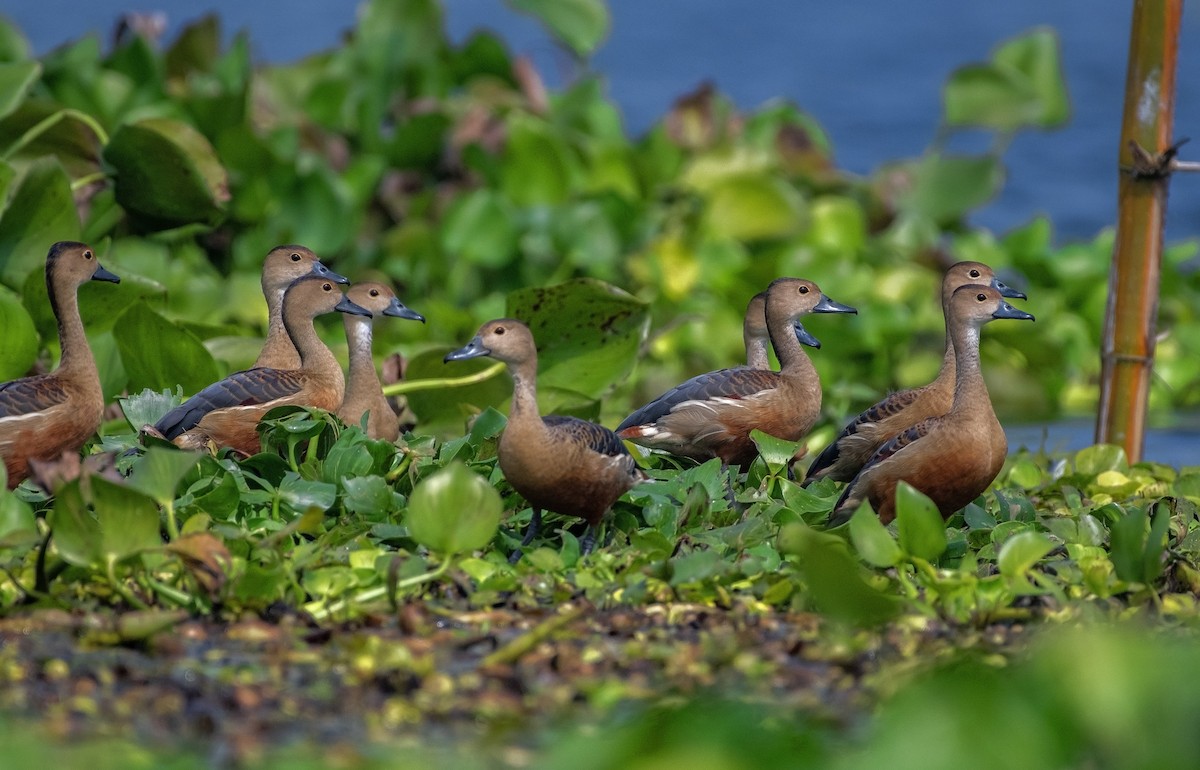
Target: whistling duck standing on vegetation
[(283, 265), (711, 415), (364, 394), (227, 412), (43, 416), (561, 464), (901, 410), (952, 458)]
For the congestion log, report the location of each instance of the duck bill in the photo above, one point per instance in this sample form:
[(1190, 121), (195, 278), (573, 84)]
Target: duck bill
[(397, 309), (353, 308), (826, 305), (103, 275), (1008, 311), (324, 272), (1006, 290), (805, 336), (473, 349)]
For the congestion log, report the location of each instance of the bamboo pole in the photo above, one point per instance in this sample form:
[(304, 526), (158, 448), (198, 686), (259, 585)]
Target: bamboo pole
[(1127, 354)]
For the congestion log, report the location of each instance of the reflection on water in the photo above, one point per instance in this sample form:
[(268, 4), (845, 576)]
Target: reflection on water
[(1176, 443)]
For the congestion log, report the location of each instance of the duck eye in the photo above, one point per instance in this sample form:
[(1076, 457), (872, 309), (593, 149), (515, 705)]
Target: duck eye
[(374, 292), (87, 254), (295, 257), (981, 297), (974, 273), (327, 287), (804, 290), (499, 330)]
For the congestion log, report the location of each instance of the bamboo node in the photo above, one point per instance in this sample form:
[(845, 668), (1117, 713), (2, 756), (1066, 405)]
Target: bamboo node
[(1148, 165)]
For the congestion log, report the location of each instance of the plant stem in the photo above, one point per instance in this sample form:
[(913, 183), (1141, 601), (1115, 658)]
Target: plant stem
[(396, 388), (110, 571), (50, 122), (1127, 349), (378, 592)]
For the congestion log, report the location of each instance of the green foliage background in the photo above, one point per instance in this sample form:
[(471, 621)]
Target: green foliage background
[(452, 172)]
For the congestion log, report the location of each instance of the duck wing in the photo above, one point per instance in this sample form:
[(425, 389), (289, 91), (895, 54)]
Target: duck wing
[(29, 395), (246, 388), (890, 406), (724, 384)]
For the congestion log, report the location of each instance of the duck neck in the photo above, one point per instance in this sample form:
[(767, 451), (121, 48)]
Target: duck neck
[(363, 380), (75, 351), (314, 355), (277, 334), (970, 390), (524, 401), (793, 361)]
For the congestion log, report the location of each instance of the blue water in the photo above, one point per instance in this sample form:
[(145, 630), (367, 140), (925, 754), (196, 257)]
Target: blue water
[(869, 70)]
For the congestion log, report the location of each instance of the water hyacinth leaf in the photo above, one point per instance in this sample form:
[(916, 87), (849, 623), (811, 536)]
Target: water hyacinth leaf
[(588, 332), (1021, 87), (946, 187), (752, 207), (1136, 549), (147, 407), (872, 540), (158, 471), (446, 409), (833, 578), (16, 78), (20, 347), (41, 211), (1019, 554), (75, 530), (167, 172), (454, 511), (919, 524), (537, 167), (580, 25), (1094, 460), (17, 523), (775, 452), (128, 520), (479, 228), (158, 353)]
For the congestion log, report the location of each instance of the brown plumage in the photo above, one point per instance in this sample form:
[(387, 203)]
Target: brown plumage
[(227, 412), (899, 411), (561, 464), (283, 265), (364, 394), (43, 416), (951, 458), (711, 415)]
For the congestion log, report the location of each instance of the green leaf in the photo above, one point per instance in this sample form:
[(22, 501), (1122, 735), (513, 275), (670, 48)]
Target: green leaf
[(1021, 87), (479, 228), (946, 187), (128, 520), (872, 540), (598, 348), (777, 453), (16, 78), (834, 579), (1019, 554), (158, 471), (578, 24), (753, 207), (158, 354), (919, 524), (148, 406), (17, 524), (1094, 460), (454, 510), (167, 172), (1136, 550), (40, 212), (446, 409), (20, 347), (537, 166), (75, 530)]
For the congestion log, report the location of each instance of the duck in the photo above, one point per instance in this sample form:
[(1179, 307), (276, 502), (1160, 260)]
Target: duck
[(283, 265), (43, 416), (899, 411), (364, 394), (226, 413), (712, 414), (562, 464), (951, 458)]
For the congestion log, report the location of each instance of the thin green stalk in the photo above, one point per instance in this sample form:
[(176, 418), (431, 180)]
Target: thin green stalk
[(110, 571), (378, 592), (396, 388), (87, 179)]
